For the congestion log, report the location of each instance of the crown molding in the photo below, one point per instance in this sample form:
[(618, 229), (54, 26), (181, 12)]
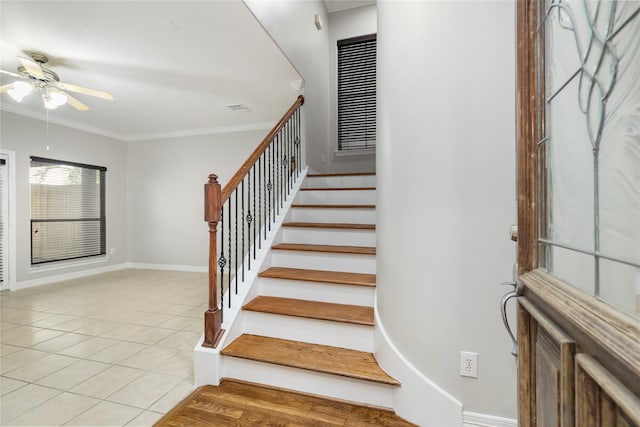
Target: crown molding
[(140, 137), (199, 132), (55, 120)]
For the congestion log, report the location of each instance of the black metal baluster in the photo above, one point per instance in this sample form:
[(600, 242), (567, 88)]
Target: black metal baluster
[(229, 275), (260, 186), (269, 186), (221, 260), (253, 168), (235, 193), (242, 200), (249, 219), (298, 139)]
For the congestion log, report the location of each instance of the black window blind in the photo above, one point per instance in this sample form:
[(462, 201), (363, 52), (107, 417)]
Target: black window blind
[(357, 93), (67, 210)]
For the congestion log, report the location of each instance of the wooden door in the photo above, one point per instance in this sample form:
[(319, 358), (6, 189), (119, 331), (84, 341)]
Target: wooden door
[(578, 212)]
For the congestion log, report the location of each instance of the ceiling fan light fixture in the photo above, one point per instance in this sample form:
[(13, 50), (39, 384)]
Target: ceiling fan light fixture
[(20, 90), (53, 100)]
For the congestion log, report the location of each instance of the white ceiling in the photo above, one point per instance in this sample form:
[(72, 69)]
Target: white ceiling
[(338, 5), (172, 66)]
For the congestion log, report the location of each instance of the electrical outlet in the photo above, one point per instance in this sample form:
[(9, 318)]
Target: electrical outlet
[(468, 364)]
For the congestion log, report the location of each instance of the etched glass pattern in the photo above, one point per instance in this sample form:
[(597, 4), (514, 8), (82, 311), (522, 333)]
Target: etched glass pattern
[(590, 147)]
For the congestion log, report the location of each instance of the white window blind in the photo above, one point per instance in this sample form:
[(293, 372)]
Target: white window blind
[(357, 93), (67, 210)]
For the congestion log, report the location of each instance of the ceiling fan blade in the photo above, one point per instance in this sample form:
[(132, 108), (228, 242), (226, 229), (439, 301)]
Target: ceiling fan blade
[(32, 67), (9, 73), (5, 88), (86, 91), (75, 103)]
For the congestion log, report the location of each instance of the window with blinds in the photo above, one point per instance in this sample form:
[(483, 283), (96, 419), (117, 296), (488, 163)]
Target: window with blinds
[(357, 93), (67, 210)]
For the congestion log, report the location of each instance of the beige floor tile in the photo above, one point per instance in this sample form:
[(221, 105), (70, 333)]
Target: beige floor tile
[(26, 339), (56, 411), (88, 347), (52, 321), (179, 365), (7, 385), (8, 349), (77, 323), (40, 368), (74, 374), (173, 397), (98, 327), (148, 358), (177, 322), (151, 335), (124, 332), (145, 419), (182, 340), (20, 401), (145, 390), (153, 319), (117, 352), (20, 358), (5, 326), (66, 340), (106, 414), (107, 382), (23, 317)]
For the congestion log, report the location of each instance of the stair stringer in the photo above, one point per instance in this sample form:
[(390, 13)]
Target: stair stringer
[(207, 362), (419, 400)]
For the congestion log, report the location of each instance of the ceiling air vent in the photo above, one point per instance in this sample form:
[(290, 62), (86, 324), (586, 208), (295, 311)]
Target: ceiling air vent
[(237, 107)]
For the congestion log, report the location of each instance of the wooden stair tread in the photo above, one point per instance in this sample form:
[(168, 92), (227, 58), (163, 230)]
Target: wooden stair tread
[(328, 206), (336, 277), (313, 357), (324, 175), (360, 250), (330, 225), (337, 188), (346, 313), (241, 403)]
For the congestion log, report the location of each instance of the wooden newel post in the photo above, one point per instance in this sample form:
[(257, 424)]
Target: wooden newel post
[(212, 215)]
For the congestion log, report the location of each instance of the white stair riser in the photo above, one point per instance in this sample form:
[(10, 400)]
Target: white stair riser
[(352, 263), (314, 331), (305, 381), (350, 216), (340, 181), (349, 197), (315, 291), (329, 236)]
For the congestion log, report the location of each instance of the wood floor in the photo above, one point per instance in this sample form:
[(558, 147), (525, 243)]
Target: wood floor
[(236, 403)]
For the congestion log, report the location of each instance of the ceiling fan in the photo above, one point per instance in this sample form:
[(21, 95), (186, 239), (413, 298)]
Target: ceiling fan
[(40, 79)]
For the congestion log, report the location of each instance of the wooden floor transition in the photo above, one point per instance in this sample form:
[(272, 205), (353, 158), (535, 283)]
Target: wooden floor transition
[(237, 403)]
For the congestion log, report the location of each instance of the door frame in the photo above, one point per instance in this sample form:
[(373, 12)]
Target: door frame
[(10, 157), (595, 333)]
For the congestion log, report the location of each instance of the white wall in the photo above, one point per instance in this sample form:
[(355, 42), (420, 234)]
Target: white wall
[(30, 137), (290, 23), (446, 190), (166, 197), (343, 25)]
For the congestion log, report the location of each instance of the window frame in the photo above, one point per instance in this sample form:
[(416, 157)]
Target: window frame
[(355, 147), (101, 208)]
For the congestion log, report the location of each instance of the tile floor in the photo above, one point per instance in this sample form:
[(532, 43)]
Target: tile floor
[(113, 349)]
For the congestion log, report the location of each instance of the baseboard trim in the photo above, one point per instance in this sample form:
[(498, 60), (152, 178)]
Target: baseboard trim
[(171, 267), (106, 269), (473, 419), (66, 276)]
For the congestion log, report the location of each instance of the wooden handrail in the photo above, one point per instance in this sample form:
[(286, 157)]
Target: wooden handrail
[(214, 200), (253, 158)]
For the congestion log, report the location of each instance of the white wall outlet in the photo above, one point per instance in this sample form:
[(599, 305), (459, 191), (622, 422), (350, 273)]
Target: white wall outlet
[(468, 364)]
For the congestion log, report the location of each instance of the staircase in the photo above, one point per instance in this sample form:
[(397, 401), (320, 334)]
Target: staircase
[(310, 326)]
